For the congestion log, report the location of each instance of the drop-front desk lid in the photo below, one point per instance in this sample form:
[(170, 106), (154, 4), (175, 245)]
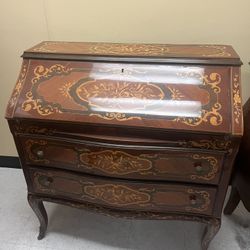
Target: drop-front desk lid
[(181, 87)]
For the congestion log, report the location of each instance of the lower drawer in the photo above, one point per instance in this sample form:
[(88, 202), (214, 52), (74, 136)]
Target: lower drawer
[(128, 195)]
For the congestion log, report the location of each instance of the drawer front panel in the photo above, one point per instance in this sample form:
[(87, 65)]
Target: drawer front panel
[(124, 194), (124, 162)]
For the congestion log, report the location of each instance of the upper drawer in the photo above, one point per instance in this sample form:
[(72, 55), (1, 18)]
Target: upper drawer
[(196, 98), (125, 161)]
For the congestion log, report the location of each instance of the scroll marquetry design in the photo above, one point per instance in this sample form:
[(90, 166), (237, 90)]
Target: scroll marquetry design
[(117, 194), (214, 167), (17, 89), (208, 144), (212, 115), (202, 200), (115, 116), (35, 103), (237, 103), (42, 108), (34, 129), (43, 73), (115, 162)]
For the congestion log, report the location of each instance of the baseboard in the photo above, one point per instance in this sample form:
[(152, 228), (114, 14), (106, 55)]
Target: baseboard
[(9, 162)]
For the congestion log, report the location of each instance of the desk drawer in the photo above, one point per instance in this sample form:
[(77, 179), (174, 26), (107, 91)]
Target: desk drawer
[(125, 161), (124, 194)]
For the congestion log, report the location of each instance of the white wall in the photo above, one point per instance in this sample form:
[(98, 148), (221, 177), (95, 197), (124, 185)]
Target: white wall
[(27, 22)]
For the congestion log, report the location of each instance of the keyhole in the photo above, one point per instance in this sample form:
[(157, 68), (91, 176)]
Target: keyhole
[(122, 70)]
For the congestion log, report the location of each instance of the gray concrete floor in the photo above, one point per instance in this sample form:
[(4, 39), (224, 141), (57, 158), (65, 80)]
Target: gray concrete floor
[(77, 229)]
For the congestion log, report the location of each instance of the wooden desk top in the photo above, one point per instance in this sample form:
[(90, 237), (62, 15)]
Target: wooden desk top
[(191, 54)]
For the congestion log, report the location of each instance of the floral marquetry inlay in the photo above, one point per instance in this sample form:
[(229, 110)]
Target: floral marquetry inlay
[(237, 109), (128, 49), (117, 95), (92, 90), (123, 49), (116, 194), (208, 144), (115, 162), (176, 94)]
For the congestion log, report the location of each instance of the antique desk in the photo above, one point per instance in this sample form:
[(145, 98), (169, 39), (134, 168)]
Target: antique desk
[(241, 176), (132, 130)]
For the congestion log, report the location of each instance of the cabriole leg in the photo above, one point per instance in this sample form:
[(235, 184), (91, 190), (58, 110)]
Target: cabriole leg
[(38, 208), (212, 227)]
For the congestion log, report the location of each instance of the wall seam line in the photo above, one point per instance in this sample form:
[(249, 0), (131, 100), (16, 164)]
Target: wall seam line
[(46, 18)]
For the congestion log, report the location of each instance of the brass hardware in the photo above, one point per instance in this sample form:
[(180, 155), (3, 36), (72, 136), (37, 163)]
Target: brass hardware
[(40, 154), (193, 199), (46, 181), (198, 167)]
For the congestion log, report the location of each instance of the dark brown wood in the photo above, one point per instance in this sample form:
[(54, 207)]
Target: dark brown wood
[(155, 61), (146, 53), (125, 161), (241, 175), (124, 195), (38, 208), (191, 100), (210, 231), (145, 140)]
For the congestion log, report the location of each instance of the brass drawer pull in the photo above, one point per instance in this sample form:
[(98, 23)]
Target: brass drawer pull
[(46, 181), (40, 154), (198, 167), (193, 199)]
